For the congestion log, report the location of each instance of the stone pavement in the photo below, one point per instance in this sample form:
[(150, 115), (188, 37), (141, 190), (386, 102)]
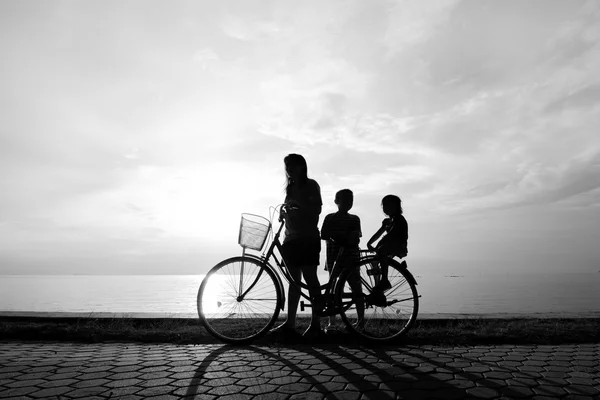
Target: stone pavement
[(169, 371)]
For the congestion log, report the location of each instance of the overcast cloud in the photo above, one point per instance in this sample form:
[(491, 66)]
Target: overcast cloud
[(133, 134)]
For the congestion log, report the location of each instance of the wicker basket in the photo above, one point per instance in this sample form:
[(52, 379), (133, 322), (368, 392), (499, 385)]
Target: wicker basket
[(254, 230)]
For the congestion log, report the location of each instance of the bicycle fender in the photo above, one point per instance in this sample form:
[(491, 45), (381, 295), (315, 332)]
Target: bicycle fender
[(409, 274), (402, 265), (277, 277)]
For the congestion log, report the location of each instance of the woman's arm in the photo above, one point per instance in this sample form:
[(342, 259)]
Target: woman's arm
[(325, 229), (315, 203)]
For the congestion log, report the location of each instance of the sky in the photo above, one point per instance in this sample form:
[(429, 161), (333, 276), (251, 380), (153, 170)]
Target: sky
[(133, 134)]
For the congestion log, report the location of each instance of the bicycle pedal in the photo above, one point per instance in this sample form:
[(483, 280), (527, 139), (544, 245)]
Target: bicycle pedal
[(304, 306), (329, 311)]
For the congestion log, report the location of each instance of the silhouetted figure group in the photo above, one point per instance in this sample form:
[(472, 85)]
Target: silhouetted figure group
[(341, 231)]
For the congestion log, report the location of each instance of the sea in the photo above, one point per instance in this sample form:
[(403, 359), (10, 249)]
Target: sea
[(509, 294)]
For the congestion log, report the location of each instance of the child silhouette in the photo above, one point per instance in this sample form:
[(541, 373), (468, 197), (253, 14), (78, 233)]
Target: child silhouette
[(341, 231), (395, 242)]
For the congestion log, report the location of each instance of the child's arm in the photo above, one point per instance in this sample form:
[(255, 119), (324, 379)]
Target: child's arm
[(375, 237), (353, 238), (355, 233)]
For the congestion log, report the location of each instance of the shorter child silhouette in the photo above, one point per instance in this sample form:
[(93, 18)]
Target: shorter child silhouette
[(395, 242), (341, 230)]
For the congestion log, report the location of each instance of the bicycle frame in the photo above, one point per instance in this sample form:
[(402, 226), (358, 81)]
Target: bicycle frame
[(283, 269)]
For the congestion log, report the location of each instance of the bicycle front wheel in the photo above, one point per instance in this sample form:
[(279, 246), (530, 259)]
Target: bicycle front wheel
[(378, 316), (238, 300)]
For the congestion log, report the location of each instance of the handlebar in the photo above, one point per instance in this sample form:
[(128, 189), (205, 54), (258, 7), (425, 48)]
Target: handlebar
[(286, 208)]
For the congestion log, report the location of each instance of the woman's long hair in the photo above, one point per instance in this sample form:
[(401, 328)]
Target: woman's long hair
[(294, 160)]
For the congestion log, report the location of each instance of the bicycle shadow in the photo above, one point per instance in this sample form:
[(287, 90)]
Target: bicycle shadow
[(330, 371)]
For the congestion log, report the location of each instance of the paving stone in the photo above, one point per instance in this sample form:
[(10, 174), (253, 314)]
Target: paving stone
[(236, 396), (208, 371), (284, 380), (215, 382), (581, 381), (154, 368), (190, 393), (51, 392), (57, 383), (123, 375), (415, 395), (37, 375), (491, 383), (123, 383), (86, 392), (25, 383), (97, 368), (582, 390), (91, 383), (306, 396), (527, 374), (552, 391), (482, 393), (42, 369), (427, 384), (154, 375), (155, 391), (461, 383), (215, 375), (261, 389), (497, 375), (226, 389), (448, 394), (125, 368), (183, 368), (519, 392), (522, 382), (17, 392), (254, 380), (8, 375), (348, 395)]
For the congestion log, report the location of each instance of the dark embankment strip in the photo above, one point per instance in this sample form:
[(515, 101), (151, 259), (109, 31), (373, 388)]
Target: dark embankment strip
[(452, 332)]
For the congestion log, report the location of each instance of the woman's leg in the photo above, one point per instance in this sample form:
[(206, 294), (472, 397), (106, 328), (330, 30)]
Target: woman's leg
[(331, 320), (293, 298)]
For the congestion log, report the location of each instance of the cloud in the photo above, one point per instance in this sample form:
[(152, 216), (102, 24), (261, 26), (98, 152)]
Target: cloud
[(248, 29), (412, 22), (531, 184), (588, 96), (207, 59)]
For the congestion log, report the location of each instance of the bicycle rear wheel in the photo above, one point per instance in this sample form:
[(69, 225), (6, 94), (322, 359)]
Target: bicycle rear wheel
[(238, 300), (387, 316)]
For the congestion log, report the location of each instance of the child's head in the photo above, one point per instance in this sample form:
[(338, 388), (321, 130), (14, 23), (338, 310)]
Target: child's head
[(344, 200), (392, 205)]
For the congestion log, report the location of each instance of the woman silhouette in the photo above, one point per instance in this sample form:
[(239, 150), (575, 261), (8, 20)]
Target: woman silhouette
[(302, 242)]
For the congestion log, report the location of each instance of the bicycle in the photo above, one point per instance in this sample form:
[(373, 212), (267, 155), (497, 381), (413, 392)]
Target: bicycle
[(240, 298)]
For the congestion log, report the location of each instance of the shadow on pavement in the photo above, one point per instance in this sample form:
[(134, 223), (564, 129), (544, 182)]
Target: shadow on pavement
[(332, 370)]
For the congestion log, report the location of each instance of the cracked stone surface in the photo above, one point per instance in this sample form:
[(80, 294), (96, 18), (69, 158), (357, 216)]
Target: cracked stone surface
[(33, 370)]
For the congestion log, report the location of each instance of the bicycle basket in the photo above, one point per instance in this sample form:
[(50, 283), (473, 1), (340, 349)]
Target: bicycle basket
[(254, 230)]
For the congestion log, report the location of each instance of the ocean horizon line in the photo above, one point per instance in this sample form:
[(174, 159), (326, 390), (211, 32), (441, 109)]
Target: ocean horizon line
[(163, 315), (448, 274)]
